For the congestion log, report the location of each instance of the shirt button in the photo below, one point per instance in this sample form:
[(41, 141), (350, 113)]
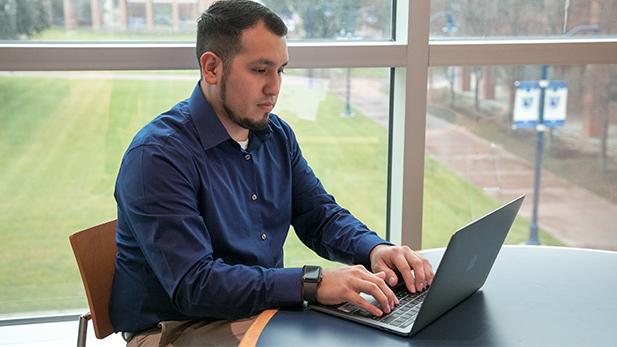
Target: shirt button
[(264, 236), (247, 156), (253, 196)]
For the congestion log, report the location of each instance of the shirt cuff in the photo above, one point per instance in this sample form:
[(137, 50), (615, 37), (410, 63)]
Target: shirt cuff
[(287, 287), (366, 247)]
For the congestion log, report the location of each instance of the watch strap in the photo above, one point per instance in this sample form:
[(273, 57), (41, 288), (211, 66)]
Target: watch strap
[(310, 291)]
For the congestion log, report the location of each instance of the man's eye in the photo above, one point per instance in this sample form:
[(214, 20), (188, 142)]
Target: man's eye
[(281, 71), (260, 70)]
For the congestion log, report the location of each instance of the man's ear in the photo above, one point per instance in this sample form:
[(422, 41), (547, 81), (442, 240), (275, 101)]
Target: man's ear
[(211, 67)]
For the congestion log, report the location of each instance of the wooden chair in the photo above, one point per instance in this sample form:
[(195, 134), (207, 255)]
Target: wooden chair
[(95, 252)]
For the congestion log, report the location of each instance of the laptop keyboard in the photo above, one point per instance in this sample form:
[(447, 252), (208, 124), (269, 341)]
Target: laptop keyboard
[(403, 314)]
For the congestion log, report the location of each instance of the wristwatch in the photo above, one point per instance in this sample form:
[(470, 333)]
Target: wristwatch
[(311, 277)]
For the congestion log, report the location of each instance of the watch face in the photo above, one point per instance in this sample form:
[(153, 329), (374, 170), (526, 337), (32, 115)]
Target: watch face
[(312, 273)]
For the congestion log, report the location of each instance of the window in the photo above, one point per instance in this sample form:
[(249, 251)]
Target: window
[(165, 20), (64, 135), (475, 156), (62, 140), (340, 117), (516, 19)]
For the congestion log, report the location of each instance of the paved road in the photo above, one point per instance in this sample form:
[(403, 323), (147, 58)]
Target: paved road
[(571, 214)]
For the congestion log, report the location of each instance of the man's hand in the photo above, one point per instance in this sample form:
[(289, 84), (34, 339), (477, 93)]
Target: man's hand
[(388, 259), (346, 283)]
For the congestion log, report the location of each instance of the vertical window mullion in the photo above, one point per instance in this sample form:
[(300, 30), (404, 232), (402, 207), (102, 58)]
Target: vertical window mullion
[(409, 125)]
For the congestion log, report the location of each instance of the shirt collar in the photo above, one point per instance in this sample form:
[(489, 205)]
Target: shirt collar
[(210, 129)]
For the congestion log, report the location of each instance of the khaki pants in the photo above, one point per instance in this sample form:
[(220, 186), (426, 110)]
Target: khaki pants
[(193, 334)]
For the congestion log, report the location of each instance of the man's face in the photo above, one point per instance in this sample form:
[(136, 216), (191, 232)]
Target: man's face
[(252, 81)]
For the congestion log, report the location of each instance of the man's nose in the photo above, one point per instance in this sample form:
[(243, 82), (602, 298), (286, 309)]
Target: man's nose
[(273, 85)]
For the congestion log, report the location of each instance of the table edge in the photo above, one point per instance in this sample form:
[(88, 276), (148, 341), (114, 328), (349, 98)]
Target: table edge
[(251, 336), (562, 248)]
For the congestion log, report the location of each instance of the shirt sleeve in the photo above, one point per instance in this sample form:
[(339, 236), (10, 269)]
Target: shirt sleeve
[(324, 226), (156, 192)]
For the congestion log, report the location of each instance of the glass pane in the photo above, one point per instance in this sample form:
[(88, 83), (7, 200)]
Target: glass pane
[(61, 141), (335, 20), (175, 20), (63, 135), (478, 160), (341, 118), (527, 18)]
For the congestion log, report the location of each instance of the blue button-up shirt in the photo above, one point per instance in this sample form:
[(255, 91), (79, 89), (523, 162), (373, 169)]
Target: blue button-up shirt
[(201, 222)]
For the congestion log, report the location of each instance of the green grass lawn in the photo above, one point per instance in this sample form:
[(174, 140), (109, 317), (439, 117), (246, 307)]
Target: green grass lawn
[(61, 141)]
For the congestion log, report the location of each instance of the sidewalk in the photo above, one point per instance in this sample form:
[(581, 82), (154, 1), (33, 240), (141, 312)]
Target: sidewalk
[(571, 214)]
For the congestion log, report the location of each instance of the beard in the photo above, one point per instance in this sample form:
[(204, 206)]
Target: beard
[(245, 122)]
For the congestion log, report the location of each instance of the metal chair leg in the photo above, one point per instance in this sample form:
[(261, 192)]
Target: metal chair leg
[(83, 329)]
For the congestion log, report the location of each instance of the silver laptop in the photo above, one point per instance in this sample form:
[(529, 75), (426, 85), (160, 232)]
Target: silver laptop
[(463, 269)]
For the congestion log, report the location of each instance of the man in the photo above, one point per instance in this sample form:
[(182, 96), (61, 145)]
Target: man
[(207, 192)]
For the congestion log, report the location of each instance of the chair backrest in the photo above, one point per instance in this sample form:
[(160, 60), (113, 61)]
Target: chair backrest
[(95, 252)]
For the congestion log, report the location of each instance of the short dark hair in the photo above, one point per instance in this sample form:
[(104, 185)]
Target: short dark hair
[(219, 29)]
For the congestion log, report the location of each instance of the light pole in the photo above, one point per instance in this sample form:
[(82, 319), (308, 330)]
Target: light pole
[(540, 128), (347, 112), (533, 227), (350, 28)]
